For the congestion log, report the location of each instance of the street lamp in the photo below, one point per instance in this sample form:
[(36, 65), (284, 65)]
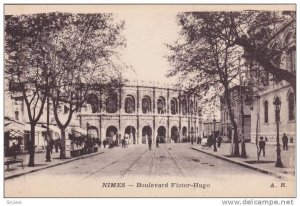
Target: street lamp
[(87, 129), (215, 141), (277, 104)]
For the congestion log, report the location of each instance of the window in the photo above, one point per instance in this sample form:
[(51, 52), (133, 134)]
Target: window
[(291, 61), (94, 103), (291, 105), (146, 105), (191, 108), (161, 106), (173, 106), (266, 111), (111, 104), (184, 110), (17, 115), (129, 104)]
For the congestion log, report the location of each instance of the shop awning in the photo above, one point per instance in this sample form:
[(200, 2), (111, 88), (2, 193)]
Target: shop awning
[(14, 126)]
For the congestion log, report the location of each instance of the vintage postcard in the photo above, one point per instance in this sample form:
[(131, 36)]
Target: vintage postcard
[(149, 100)]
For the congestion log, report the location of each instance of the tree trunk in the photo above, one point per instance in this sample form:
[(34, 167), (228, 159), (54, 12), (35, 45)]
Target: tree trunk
[(236, 151), (63, 144), (31, 145)]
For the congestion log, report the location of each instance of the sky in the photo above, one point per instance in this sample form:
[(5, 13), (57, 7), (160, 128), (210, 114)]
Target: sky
[(147, 34)]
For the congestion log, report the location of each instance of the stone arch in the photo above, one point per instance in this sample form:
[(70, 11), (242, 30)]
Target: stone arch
[(184, 132), (161, 134), (174, 106), (94, 103), (111, 133), (111, 103), (161, 105), (93, 132), (130, 133), (174, 134), (184, 106), (291, 105), (146, 104), (146, 133), (129, 104)]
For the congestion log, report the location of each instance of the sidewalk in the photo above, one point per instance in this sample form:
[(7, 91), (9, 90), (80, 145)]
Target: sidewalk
[(16, 170), (267, 163)]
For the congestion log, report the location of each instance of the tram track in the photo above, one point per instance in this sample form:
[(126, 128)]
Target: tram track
[(133, 163), (111, 163), (183, 173)]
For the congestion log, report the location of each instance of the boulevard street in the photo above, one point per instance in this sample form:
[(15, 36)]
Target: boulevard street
[(135, 166)]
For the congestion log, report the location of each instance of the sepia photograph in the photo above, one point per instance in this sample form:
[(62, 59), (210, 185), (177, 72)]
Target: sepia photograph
[(149, 100)]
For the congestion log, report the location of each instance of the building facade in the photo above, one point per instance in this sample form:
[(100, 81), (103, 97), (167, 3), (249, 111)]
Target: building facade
[(263, 122), (141, 110), (209, 126)]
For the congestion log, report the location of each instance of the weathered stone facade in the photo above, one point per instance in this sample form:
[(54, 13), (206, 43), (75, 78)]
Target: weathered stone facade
[(143, 110)]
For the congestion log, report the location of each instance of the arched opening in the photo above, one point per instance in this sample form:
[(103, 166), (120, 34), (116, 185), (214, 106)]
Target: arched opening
[(174, 108), (266, 111), (161, 134), (146, 133), (192, 135), (161, 105), (146, 105), (130, 134), (174, 134), (111, 134), (94, 103), (93, 132), (129, 104), (184, 107), (191, 107), (112, 104), (277, 99), (184, 134), (291, 106)]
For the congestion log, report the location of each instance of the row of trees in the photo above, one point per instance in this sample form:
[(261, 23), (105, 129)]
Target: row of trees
[(59, 57), (207, 56)]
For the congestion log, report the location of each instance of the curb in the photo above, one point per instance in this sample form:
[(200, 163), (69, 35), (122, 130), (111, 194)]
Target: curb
[(53, 165), (264, 171)]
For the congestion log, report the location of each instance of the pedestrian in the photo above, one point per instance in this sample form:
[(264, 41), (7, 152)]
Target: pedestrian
[(104, 143), (285, 141), (99, 141), (149, 142), (123, 142), (157, 142), (262, 146), (219, 140), (56, 145), (14, 150), (192, 140)]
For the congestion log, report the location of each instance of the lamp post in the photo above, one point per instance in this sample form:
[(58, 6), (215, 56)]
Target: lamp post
[(87, 129), (215, 141), (277, 104)]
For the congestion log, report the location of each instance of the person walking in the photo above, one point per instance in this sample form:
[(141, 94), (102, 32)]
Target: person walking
[(285, 141), (219, 140), (104, 143), (157, 142), (262, 146), (149, 142)]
